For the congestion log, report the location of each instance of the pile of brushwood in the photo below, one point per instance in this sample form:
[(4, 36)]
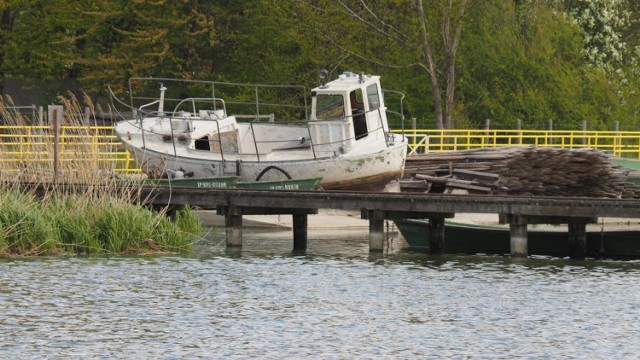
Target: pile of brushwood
[(536, 171)]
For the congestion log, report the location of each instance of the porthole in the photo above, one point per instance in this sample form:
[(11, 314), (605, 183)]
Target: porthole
[(183, 139)]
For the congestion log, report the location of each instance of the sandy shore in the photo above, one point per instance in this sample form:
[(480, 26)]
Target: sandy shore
[(329, 219)]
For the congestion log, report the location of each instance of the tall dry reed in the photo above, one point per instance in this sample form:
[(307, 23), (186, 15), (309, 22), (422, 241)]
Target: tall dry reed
[(76, 204)]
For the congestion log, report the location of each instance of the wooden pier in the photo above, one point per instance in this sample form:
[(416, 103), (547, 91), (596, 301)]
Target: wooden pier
[(378, 207)]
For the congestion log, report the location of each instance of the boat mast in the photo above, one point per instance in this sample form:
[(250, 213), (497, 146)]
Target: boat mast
[(161, 103)]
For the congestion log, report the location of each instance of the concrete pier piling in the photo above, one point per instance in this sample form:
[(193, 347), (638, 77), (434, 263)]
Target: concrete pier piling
[(376, 231), (518, 230), (300, 222), (233, 226), (436, 235), (577, 239)]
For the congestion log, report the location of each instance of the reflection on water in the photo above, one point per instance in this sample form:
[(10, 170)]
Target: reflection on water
[(334, 301)]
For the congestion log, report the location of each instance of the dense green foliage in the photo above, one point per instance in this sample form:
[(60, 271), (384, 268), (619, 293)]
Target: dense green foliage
[(83, 224), (528, 64), (565, 61)]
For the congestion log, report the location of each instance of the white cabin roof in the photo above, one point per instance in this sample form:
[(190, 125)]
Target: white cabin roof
[(346, 82)]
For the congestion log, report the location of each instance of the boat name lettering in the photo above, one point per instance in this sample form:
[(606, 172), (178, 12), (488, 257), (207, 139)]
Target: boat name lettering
[(285, 187), (212, 184)]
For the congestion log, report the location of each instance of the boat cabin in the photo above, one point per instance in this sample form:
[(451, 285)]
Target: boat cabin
[(347, 110), (347, 114)]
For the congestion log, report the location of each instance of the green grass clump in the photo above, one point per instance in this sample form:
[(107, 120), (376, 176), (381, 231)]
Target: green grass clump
[(23, 230), (85, 224), (72, 217), (185, 223)]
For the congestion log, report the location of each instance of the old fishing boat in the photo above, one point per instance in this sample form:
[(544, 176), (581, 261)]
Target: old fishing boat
[(346, 141), (617, 240)]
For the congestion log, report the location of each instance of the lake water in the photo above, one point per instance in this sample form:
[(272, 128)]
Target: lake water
[(333, 302)]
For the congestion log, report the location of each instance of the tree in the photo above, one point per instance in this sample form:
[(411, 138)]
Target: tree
[(100, 42), (7, 16), (450, 18), (629, 110), (525, 61), (257, 42), (611, 29), (147, 38), (604, 23), (458, 61), (33, 37), (395, 34)]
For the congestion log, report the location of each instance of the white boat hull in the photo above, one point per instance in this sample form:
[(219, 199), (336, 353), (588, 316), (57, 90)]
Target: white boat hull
[(365, 171)]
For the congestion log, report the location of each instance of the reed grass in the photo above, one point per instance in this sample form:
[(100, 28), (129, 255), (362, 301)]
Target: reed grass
[(81, 208), (24, 232)]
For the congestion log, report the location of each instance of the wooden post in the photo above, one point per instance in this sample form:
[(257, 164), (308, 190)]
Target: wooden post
[(300, 231), (87, 116), (172, 211), (518, 232), (376, 231), (56, 146), (616, 140), (436, 235), (55, 113), (40, 115), (577, 240)]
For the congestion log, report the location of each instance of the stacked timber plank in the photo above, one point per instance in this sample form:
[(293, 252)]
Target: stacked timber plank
[(519, 171)]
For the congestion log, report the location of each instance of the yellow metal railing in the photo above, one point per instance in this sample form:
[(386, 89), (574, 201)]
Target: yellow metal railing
[(21, 146), (618, 143)]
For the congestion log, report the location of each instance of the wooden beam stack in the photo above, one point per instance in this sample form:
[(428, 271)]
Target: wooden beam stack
[(519, 171)]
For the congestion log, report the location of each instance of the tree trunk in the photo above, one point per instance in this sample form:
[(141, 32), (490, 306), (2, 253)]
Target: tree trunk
[(431, 66), (451, 40), (443, 80)]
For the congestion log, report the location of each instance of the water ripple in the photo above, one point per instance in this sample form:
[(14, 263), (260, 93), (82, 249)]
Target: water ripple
[(290, 306)]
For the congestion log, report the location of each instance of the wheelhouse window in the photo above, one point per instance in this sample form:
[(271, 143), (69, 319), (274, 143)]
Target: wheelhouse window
[(360, 127), (329, 106), (373, 96)]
